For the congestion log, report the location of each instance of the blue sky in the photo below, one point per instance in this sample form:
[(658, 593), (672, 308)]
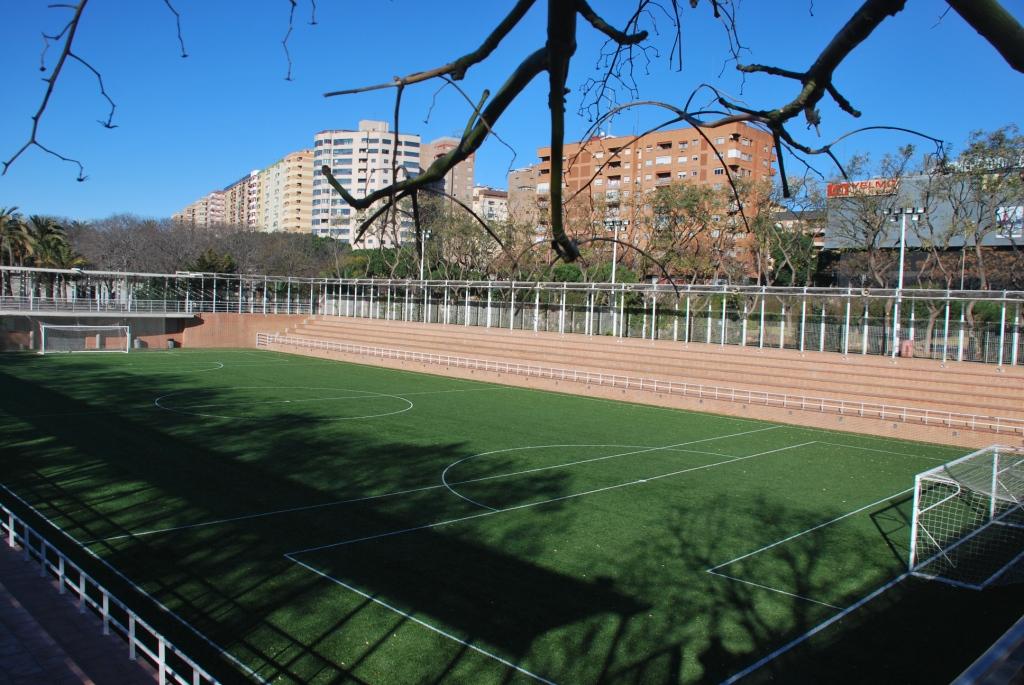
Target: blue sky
[(188, 126)]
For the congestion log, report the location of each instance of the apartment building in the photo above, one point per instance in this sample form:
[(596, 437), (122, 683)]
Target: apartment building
[(490, 204), (205, 212), (362, 161), (284, 196), (241, 199), (619, 171), (458, 182), (522, 195)]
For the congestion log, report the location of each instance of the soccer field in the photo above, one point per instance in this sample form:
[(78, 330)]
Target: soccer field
[(328, 522)]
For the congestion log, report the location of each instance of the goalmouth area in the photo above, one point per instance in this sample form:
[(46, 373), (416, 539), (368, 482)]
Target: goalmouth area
[(286, 518)]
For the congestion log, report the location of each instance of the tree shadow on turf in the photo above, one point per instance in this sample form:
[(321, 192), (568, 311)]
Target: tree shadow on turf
[(231, 582)]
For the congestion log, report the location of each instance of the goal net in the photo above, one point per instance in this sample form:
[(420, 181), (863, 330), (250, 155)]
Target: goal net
[(84, 339), (968, 521)]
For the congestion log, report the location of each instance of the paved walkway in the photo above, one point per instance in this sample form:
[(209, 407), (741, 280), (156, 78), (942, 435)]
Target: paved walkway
[(44, 639)]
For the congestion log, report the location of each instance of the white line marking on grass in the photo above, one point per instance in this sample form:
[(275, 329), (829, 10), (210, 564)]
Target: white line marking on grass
[(813, 631), (810, 530), (335, 503), (714, 569), (644, 450), (873, 449), (170, 612), (541, 502), (421, 622), (773, 589)]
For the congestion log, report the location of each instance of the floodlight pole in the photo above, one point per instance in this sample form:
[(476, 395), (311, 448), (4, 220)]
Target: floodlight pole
[(903, 212)]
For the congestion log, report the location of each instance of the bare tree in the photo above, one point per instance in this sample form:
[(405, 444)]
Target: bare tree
[(625, 48)]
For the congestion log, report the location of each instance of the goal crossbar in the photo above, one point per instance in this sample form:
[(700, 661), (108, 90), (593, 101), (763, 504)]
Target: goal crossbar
[(82, 338), (967, 527)]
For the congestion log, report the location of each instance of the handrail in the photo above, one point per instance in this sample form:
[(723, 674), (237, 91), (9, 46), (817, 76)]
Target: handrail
[(903, 414), (171, 664)]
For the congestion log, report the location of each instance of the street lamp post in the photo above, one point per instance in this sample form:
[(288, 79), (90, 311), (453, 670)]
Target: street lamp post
[(915, 214)]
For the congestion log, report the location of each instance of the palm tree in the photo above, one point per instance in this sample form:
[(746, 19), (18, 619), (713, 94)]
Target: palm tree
[(14, 242), (47, 240)]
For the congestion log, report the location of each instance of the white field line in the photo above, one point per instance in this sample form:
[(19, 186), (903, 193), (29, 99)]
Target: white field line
[(309, 507), (529, 505), (714, 569), (813, 631), (334, 503), (645, 450), (809, 530), (772, 589), (421, 622), (170, 612)]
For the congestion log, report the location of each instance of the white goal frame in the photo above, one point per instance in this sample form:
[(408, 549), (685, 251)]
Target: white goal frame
[(967, 528), (120, 331)]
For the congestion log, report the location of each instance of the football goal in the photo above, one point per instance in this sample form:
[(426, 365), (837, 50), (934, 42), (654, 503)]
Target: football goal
[(84, 338), (968, 521)]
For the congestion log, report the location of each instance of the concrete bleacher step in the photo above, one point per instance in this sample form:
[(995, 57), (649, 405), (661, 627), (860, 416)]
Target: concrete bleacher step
[(784, 358), (661, 355), (980, 392), (1000, 388)]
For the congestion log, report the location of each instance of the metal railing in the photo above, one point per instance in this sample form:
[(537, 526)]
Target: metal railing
[(171, 664), (947, 325), (885, 412)]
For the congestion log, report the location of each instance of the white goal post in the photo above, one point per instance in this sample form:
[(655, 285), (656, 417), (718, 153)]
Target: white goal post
[(55, 338), (968, 520)]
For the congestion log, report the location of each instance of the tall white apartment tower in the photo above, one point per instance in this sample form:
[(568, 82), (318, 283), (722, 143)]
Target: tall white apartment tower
[(361, 161)]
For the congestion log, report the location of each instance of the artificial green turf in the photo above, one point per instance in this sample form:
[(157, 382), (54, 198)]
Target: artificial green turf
[(573, 537)]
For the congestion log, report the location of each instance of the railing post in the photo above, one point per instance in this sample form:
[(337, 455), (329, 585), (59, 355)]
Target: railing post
[(1016, 336), (864, 331), (675, 322), (489, 290), (760, 332), (945, 331), (686, 323), (512, 306), (743, 328), (466, 322), (846, 323), (106, 613), (536, 309), (81, 591), (782, 327), (803, 319), (821, 332), (131, 636), (1002, 329), (561, 312), (162, 660), (707, 337), (960, 335), (724, 298)]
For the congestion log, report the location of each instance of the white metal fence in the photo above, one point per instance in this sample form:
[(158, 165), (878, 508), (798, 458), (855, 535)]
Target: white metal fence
[(170, 663), (902, 414), (979, 326)]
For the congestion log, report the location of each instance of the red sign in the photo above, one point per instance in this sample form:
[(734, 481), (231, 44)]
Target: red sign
[(874, 186)]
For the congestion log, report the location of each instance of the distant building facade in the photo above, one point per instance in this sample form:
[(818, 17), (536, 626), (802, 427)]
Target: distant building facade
[(490, 204), (458, 182), (284, 195), (205, 212), (362, 161), (522, 195), (241, 199)]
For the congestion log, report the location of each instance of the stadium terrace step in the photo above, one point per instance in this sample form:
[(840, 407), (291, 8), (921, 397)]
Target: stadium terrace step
[(711, 362), (908, 382)]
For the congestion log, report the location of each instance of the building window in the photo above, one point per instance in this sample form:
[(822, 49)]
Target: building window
[(664, 159), (719, 171), (719, 141)]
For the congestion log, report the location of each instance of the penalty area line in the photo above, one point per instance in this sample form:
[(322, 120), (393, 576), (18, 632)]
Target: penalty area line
[(814, 631), (421, 622)]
